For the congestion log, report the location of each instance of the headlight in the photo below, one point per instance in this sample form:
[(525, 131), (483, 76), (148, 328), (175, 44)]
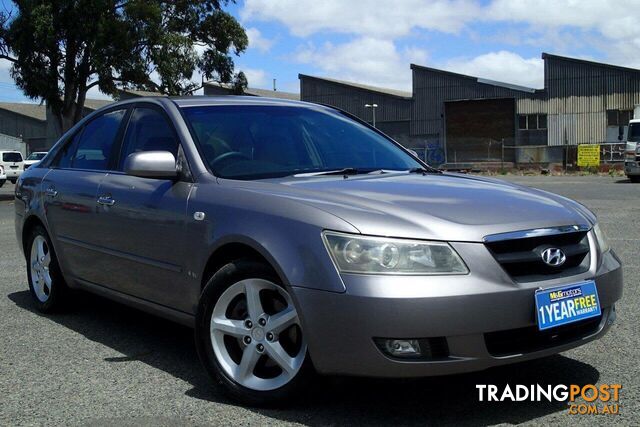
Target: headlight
[(601, 238), (380, 255)]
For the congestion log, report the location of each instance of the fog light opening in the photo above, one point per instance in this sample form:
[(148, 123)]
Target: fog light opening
[(401, 347)]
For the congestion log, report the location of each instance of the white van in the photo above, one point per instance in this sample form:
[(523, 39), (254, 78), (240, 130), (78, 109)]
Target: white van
[(13, 164)]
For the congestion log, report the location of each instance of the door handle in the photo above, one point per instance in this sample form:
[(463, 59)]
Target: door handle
[(106, 201), (51, 192)]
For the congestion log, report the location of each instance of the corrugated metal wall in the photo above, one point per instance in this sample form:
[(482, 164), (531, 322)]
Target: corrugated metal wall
[(432, 88), (11, 143), (353, 99), (579, 94), (21, 126)]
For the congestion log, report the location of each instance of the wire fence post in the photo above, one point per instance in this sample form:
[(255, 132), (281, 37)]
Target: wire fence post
[(502, 156)]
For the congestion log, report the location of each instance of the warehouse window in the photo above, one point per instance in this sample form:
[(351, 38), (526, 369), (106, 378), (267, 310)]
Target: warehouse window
[(522, 122), (532, 121), (542, 121), (618, 117)]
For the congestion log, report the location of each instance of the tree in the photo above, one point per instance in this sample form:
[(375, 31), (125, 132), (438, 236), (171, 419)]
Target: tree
[(59, 49)]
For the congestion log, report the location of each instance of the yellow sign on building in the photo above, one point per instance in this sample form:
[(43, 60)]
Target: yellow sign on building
[(589, 155)]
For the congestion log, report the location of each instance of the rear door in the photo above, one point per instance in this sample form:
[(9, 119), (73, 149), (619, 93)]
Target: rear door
[(70, 190), (142, 220)]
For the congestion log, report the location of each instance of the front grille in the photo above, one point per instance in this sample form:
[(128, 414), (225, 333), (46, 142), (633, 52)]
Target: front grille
[(530, 339), (521, 258)]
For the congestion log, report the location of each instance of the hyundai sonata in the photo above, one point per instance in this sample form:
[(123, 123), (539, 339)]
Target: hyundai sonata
[(295, 238)]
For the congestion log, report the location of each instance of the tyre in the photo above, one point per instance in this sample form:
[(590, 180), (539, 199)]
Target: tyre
[(2, 181), (13, 180), (634, 178), (46, 283), (249, 337)]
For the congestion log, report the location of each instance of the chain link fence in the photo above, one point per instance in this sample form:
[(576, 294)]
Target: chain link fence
[(505, 154)]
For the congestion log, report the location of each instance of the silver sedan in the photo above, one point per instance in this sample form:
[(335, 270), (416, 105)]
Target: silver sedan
[(296, 239)]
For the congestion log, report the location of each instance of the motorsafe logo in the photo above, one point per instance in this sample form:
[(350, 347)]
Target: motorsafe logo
[(553, 257)]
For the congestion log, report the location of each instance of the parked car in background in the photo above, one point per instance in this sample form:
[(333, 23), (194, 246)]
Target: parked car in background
[(294, 237), (632, 150), (13, 164), (34, 158), (3, 176)]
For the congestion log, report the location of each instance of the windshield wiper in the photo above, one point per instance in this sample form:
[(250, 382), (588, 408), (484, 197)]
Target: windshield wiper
[(424, 171), (343, 171)]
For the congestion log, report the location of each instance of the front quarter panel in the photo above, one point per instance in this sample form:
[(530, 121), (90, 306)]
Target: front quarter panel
[(285, 232)]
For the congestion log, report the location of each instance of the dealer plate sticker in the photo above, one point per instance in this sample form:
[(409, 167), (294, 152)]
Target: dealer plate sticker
[(566, 304)]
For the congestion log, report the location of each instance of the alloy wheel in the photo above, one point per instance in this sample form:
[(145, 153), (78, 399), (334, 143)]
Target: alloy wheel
[(39, 263), (256, 335)]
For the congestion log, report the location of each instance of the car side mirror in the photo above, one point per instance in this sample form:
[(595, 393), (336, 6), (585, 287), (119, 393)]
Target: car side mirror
[(151, 164)]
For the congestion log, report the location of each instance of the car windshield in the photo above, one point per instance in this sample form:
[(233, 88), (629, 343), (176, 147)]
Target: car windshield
[(634, 132), (11, 157), (36, 156), (257, 142)]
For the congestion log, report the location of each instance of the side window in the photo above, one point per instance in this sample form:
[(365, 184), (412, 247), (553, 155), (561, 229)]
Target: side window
[(64, 157), (148, 130), (96, 141)]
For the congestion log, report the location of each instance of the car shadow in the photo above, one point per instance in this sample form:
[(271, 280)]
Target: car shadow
[(624, 181), (445, 400)]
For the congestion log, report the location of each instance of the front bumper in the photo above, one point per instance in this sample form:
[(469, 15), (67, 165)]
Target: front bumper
[(632, 168), (341, 327), (12, 173)]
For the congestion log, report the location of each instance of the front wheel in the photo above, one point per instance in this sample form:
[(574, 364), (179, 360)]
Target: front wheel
[(46, 284), (249, 335), (634, 178), (2, 181), (13, 180)]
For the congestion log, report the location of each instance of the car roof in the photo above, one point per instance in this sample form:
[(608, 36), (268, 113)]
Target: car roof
[(202, 101)]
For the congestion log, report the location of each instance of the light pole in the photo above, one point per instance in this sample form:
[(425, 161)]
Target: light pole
[(373, 111)]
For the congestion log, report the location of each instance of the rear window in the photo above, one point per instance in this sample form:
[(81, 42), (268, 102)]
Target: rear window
[(11, 157)]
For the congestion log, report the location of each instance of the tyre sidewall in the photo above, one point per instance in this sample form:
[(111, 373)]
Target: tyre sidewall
[(58, 286), (219, 282)]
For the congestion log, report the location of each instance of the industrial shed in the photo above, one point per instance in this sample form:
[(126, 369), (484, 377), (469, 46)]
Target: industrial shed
[(222, 89), (31, 123), (393, 113), (471, 119)]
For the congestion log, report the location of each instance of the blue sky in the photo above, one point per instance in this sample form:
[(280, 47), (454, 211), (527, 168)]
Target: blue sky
[(373, 41)]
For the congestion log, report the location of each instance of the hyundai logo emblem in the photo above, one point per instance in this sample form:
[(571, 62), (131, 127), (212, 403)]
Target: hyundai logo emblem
[(553, 257)]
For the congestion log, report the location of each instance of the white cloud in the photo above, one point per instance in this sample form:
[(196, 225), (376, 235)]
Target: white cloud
[(364, 60), (5, 67), (502, 66), (365, 17), (256, 77), (258, 41)]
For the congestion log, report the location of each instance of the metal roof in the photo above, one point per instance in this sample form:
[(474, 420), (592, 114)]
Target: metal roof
[(476, 79), (140, 93), (252, 91), (94, 104), (34, 111), (590, 63), (386, 91)]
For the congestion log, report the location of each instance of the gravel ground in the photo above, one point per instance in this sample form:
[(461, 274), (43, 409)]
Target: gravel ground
[(105, 364)]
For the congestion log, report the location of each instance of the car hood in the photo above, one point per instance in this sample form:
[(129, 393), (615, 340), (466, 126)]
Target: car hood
[(451, 207)]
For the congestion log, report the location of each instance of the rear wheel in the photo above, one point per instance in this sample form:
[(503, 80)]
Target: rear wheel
[(46, 284), (13, 180), (2, 181), (634, 178), (249, 335)]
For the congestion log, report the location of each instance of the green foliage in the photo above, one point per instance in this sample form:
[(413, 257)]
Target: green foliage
[(62, 48)]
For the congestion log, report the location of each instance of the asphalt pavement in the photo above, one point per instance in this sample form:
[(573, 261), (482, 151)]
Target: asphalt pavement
[(104, 364)]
